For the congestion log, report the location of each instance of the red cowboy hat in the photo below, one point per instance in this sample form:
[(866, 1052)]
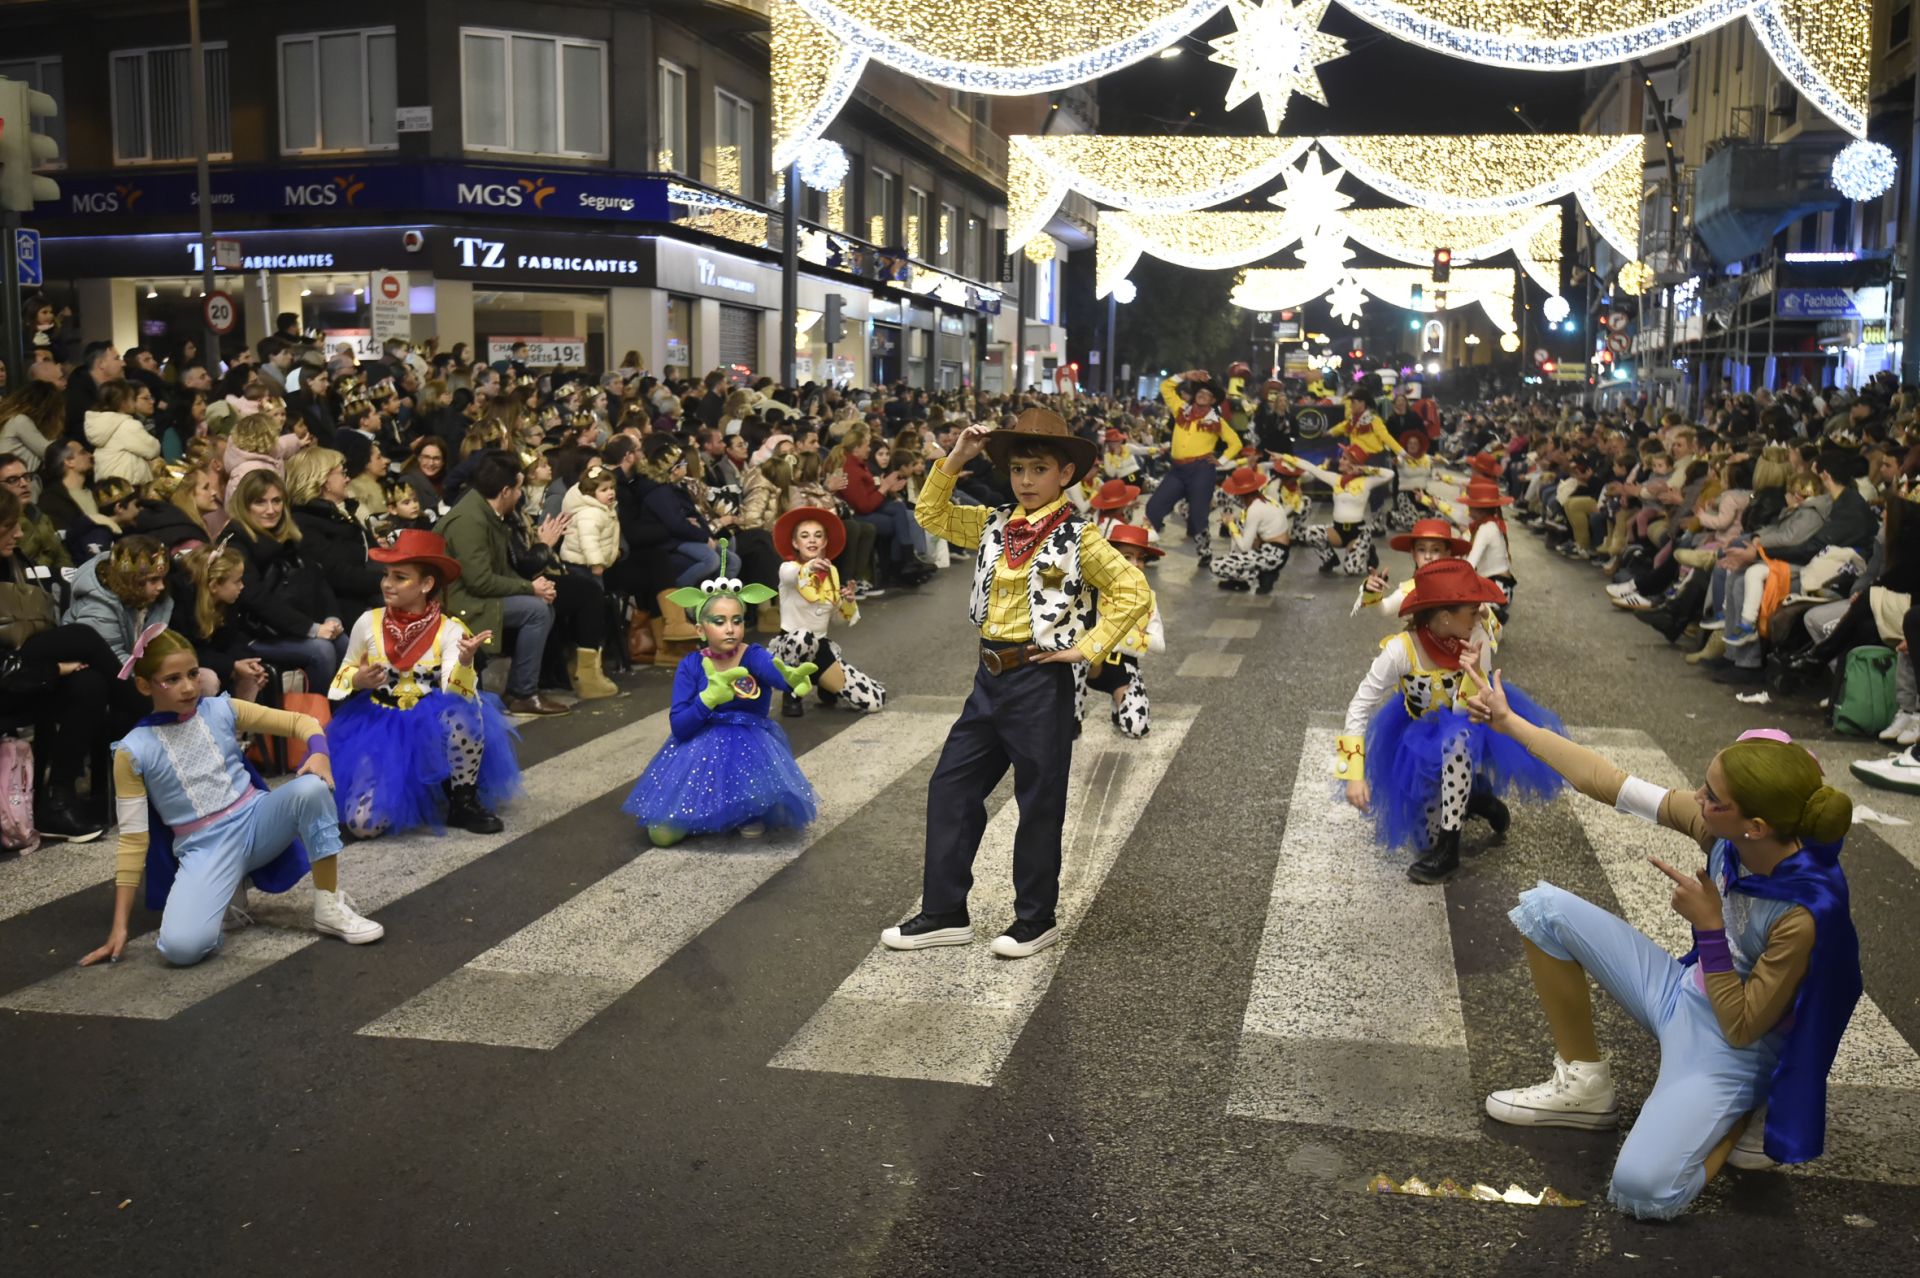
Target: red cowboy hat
[(1247, 479), (1415, 443), (1285, 470), (1484, 494), (417, 546), (1356, 454), (1432, 530), (1115, 435), (1133, 535), (1115, 494), (1487, 464), (783, 530), (1448, 583)]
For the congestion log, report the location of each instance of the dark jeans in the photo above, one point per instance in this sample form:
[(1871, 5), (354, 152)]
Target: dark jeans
[(75, 718), (894, 520), (1193, 480), (317, 658), (1024, 720), (580, 608)]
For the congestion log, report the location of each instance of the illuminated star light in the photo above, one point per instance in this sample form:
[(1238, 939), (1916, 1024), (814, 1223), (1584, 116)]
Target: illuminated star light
[(1347, 300), (1864, 170), (1312, 196), (1274, 54)]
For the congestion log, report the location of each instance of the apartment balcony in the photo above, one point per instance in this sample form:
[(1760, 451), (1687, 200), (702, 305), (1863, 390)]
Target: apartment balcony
[(1746, 193)]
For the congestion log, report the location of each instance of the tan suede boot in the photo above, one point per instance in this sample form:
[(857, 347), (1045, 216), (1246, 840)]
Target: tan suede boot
[(590, 683)]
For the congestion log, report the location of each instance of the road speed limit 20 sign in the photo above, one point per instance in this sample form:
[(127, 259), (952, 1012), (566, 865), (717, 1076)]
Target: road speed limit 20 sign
[(220, 312)]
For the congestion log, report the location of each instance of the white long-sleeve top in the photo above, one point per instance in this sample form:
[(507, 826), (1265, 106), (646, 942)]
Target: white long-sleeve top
[(1261, 522), (797, 612), (1349, 495), (1489, 555)]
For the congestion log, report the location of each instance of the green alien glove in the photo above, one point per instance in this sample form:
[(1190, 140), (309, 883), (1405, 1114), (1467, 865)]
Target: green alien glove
[(719, 689), (799, 678)]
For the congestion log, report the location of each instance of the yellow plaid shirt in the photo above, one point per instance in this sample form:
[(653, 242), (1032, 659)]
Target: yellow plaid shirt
[(1124, 597)]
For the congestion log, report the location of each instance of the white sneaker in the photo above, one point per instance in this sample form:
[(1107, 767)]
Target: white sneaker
[(1633, 601), (334, 914), (1898, 726), (1911, 734), (1718, 623), (1580, 1094), (1749, 1153), (1620, 589), (1895, 772)]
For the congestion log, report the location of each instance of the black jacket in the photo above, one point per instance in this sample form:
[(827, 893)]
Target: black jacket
[(284, 597), (669, 514), (336, 543), (217, 651), (169, 524), (1851, 523)]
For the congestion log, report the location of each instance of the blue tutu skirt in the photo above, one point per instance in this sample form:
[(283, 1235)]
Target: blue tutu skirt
[(400, 757), (740, 769), (1405, 757)]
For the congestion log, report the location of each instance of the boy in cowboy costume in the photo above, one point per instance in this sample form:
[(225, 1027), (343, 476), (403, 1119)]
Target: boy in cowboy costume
[(1039, 563)]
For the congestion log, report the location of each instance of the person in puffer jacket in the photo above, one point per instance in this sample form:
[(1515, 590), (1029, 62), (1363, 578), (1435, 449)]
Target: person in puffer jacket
[(593, 538), (122, 447)]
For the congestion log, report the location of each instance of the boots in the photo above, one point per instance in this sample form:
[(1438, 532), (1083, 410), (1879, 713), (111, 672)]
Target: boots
[(1482, 803), (673, 619), (1714, 650), (1267, 579), (640, 638), (792, 707), (827, 699), (61, 816), (464, 812), (590, 683), (1438, 862)]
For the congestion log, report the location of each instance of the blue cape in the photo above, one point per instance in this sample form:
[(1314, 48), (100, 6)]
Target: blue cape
[(1797, 1102), (277, 875)]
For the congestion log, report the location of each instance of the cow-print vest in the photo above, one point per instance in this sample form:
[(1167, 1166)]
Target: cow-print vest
[(1058, 596)]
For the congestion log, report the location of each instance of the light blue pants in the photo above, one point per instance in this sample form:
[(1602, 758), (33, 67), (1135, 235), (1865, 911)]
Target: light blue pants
[(214, 860), (1705, 1083)]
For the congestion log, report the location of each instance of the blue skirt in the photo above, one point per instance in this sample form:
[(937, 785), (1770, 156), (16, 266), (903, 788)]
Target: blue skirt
[(400, 757), (739, 769), (1405, 757)]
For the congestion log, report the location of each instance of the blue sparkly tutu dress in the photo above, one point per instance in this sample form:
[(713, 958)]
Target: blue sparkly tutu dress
[(724, 768), (397, 748)]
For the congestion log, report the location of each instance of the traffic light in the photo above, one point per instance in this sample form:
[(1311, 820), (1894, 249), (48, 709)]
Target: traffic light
[(22, 150), (1442, 264), (1547, 367)]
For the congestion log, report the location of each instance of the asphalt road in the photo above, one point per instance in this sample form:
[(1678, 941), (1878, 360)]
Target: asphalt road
[(573, 1054)]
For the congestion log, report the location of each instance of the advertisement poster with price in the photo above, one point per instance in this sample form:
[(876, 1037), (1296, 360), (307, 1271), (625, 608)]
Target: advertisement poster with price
[(542, 352)]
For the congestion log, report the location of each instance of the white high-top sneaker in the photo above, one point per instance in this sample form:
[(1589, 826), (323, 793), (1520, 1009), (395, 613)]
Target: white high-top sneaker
[(1580, 1094), (1749, 1153), (334, 914)]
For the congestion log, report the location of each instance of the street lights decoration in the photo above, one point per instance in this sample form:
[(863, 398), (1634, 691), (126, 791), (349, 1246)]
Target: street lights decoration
[(1124, 292), (823, 165), (1275, 53), (1864, 170)]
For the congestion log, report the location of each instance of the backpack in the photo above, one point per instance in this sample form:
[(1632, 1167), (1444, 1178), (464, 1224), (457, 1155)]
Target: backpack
[(16, 797), (1864, 704)]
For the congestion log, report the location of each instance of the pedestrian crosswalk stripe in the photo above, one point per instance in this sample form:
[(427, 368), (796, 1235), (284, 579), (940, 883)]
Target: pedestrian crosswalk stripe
[(143, 986), (1354, 1017), (56, 870), (1873, 1098), (954, 1014), (540, 985), (1209, 665), (1228, 629)]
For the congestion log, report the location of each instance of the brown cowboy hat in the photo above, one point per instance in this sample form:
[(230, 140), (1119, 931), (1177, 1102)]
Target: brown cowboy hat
[(1115, 494), (417, 546), (1247, 479), (1432, 530), (1133, 535), (785, 526), (1042, 426), (1448, 583)]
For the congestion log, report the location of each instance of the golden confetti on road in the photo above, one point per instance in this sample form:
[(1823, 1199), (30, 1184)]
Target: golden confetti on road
[(1414, 1187)]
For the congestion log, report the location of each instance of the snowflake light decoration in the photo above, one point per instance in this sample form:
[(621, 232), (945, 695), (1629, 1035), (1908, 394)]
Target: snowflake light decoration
[(1347, 300), (1636, 277), (1864, 170), (1556, 308), (1124, 292), (1326, 252), (1509, 342), (1274, 54), (823, 165), (1312, 196)]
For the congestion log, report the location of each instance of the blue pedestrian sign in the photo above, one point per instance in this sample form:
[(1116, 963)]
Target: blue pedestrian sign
[(26, 251)]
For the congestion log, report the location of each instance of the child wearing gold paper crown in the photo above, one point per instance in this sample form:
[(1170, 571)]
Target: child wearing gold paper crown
[(809, 539), (1413, 760)]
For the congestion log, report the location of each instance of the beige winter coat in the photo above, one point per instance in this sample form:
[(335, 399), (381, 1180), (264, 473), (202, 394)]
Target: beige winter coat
[(122, 448), (593, 538)]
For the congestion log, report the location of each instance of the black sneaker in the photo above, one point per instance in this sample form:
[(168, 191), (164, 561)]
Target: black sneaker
[(791, 707), (61, 817), (1026, 937), (924, 931), (1437, 863), (1267, 579), (1230, 584)]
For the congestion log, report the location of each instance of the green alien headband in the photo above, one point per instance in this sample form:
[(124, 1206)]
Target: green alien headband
[(697, 599)]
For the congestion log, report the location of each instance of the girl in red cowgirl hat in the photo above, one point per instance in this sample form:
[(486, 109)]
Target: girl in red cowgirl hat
[(1119, 674), (1261, 533), (1111, 503), (809, 539), (1489, 554), (1409, 754), (1347, 542)]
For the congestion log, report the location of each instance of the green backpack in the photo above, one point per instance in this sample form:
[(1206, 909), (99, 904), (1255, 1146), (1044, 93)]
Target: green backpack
[(1864, 704)]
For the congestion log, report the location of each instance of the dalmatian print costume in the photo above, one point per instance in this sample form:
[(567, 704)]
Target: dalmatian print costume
[(1254, 553), (1352, 523), (1353, 557), (862, 690)]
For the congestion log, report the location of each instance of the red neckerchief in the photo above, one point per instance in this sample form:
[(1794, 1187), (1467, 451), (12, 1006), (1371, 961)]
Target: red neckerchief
[(408, 635), (1196, 418), (1445, 653), (1497, 522), (1023, 537)]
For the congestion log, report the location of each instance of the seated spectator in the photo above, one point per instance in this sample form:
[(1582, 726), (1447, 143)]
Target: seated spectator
[(286, 608), (179, 520), (256, 444), (31, 418), (332, 539), (205, 584), (40, 541), (489, 595), (876, 502), (66, 497), (670, 510), (122, 446), (592, 542), (426, 469)]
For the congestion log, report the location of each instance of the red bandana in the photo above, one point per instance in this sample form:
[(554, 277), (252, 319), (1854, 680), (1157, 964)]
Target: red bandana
[(1197, 418), (1023, 537), (1444, 652), (408, 635)]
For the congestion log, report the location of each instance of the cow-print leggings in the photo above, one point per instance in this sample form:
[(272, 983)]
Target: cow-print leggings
[(1353, 556), (1447, 809), (464, 754), (1248, 565), (1134, 714), (862, 690)]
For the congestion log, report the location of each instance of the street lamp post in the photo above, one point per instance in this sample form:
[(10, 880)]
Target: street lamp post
[(1113, 312), (197, 91)]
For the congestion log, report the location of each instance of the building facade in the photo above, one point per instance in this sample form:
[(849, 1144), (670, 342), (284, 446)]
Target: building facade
[(588, 177)]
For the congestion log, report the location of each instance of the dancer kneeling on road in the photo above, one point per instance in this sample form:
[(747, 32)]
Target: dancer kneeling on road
[(415, 742), (197, 817), (1749, 1021)]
